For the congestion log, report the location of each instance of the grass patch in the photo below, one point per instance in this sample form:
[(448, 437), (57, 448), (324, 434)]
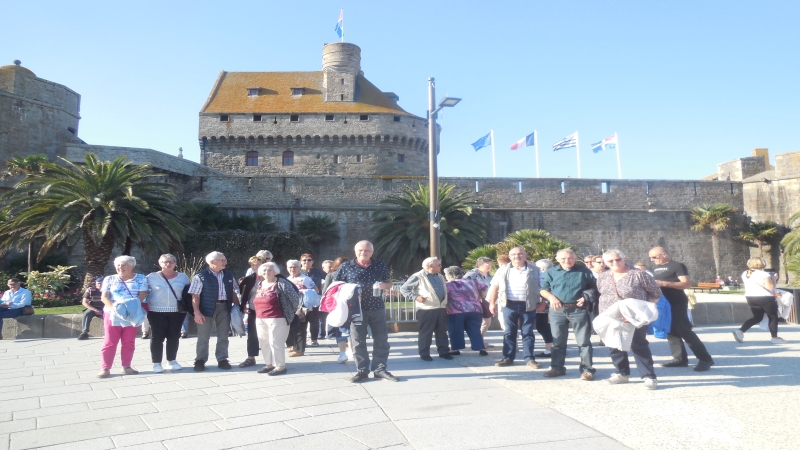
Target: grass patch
[(72, 309)]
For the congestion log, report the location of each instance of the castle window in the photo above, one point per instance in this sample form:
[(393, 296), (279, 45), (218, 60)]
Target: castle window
[(252, 158), (336, 159), (223, 118), (342, 80), (288, 158), (329, 117), (294, 118), (297, 91), (341, 97), (605, 187), (256, 117), (363, 117), (359, 158), (401, 158), (252, 92), (397, 118)]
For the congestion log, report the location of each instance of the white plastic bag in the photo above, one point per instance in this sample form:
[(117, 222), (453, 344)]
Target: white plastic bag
[(237, 321), (310, 298)]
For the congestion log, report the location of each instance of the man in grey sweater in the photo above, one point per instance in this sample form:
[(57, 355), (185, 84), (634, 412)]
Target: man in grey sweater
[(427, 288)]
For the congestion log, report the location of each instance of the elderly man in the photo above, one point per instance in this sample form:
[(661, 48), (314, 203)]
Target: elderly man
[(14, 300), (92, 301), (214, 291), (672, 277), (563, 287), (366, 271), (316, 318), (427, 289), (515, 287)]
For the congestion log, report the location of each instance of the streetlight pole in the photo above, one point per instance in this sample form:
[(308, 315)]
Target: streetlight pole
[(433, 176)]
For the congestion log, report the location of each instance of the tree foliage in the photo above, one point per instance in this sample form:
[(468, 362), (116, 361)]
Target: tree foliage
[(716, 218), (205, 217), (791, 241), (760, 233), (401, 227), (539, 244), (238, 246), (318, 230)]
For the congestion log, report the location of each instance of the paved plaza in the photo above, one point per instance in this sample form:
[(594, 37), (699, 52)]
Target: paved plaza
[(51, 399)]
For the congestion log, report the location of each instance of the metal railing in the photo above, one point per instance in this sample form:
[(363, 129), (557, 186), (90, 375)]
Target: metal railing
[(398, 309)]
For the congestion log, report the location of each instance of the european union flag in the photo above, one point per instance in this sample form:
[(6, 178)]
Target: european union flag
[(482, 142)]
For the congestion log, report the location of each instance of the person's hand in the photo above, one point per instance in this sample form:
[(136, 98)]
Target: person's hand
[(580, 302), (556, 305), (420, 299), (661, 283), (386, 285), (98, 312), (199, 319), (493, 308)]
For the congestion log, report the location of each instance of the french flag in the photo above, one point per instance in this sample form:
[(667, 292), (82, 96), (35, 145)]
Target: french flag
[(529, 140)]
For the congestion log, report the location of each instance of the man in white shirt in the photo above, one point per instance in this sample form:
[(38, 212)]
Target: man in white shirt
[(13, 301)]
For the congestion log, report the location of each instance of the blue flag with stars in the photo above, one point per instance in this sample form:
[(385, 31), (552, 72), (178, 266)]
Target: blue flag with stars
[(482, 142)]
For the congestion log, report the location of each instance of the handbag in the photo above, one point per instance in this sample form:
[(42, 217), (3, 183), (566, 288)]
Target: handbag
[(186, 301), (27, 310), (179, 299)]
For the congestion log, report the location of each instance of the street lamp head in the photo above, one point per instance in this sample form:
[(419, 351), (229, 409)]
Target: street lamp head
[(449, 102)]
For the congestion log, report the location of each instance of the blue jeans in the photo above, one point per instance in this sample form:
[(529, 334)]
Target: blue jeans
[(8, 314), (513, 312), (559, 324), (185, 326), (470, 322), (88, 315)]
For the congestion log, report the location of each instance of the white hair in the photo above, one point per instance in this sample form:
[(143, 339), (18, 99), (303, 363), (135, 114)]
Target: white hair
[(125, 260), (264, 254), (167, 256), (263, 268), (364, 242), (428, 261), (212, 256), (613, 252), (292, 263), (544, 264), (566, 250)]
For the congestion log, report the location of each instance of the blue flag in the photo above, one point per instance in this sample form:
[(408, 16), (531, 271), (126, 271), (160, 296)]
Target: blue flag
[(597, 146), (482, 142), (340, 24)]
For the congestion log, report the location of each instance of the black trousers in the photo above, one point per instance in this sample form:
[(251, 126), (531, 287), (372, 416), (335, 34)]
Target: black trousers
[(641, 354), (543, 327), (316, 324), (433, 321), (760, 306), (165, 325), (253, 346), (681, 331), (298, 330)]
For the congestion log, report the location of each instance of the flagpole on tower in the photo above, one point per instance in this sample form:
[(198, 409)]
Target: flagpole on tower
[(342, 24), (619, 167), (578, 151), (494, 167), (536, 148)]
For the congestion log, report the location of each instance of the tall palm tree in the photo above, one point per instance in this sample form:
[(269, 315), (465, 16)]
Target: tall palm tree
[(539, 244), (759, 233), (103, 203), (401, 227), (27, 166), (717, 218), (791, 241), (317, 230)]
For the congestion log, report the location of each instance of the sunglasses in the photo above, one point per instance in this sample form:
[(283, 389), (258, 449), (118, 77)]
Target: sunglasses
[(306, 260), (609, 261)]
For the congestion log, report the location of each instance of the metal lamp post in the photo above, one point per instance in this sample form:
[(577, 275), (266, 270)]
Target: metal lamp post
[(434, 216)]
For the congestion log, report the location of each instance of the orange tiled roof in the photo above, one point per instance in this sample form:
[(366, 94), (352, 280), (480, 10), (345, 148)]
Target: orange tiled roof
[(230, 95)]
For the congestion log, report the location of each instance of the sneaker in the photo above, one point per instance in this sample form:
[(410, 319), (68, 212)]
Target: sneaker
[(157, 368), (777, 340), (739, 336), (703, 366), (532, 364), (83, 336), (224, 364), (504, 362), (314, 344), (146, 336), (104, 374), (650, 383), (359, 377), (349, 353), (617, 378), (184, 335), (676, 363), (384, 375), (342, 358), (174, 365), (552, 373), (587, 376), (199, 365), (130, 371)]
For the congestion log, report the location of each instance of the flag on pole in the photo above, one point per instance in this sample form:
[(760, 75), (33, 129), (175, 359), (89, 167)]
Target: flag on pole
[(482, 142), (529, 140), (567, 142), (609, 143), (340, 24)]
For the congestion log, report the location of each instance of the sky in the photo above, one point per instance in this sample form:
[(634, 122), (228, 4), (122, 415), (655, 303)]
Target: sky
[(685, 84)]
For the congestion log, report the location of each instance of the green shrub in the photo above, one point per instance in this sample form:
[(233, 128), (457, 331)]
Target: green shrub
[(238, 246)]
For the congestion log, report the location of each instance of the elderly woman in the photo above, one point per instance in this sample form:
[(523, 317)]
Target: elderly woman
[(275, 303), (464, 310), (480, 273), (264, 255), (759, 288), (299, 326), (128, 288), (166, 288), (618, 283), (248, 287)]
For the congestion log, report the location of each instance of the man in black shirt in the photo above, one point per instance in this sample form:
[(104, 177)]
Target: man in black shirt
[(673, 278)]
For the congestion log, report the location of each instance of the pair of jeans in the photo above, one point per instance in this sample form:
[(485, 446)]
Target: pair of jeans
[(581, 327), (432, 321), (8, 314), (165, 325), (113, 336), (185, 325), (759, 306), (221, 322), (271, 336), (682, 331), (513, 312), (298, 330), (470, 322), (641, 354), (88, 315), (375, 320)]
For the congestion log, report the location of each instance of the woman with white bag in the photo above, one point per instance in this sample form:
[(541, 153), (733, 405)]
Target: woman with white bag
[(759, 290), (622, 282), (275, 304), (299, 327)]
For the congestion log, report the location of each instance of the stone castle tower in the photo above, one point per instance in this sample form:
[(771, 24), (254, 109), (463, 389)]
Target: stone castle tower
[(333, 122)]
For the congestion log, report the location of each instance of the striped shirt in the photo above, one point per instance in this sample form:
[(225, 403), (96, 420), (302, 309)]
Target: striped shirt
[(197, 286)]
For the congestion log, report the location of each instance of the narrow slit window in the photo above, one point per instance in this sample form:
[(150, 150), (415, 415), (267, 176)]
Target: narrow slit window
[(647, 186), (342, 80), (359, 158), (519, 187), (401, 158), (288, 158), (397, 118), (341, 97), (477, 186), (336, 159), (695, 188), (329, 117), (563, 187), (604, 187)]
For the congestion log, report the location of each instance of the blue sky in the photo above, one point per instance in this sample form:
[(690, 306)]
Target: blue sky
[(686, 84)]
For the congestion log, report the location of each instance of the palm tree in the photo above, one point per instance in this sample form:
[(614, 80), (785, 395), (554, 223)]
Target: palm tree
[(759, 233), (204, 217), (401, 227), (717, 218), (791, 241), (539, 244), (103, 203), (318, 230), (488, 250)]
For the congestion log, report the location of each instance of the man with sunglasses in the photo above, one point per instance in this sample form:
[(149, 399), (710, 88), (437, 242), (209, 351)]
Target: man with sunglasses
[(316, 318), (672, 277)]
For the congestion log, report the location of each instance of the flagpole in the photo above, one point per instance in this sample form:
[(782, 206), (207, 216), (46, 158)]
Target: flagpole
[(536, 147), (619, 167), (342, 24), (494, 167), (578, 151)]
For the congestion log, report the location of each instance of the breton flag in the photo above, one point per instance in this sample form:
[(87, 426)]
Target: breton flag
[(340, 24), (529, 140), (567, 142), (609, 143), (482, 142)]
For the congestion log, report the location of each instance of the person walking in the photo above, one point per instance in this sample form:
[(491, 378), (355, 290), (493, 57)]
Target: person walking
[(427, 290), (464, 310), (619, 283), (93, 302), (214, 293), (274, 307), (759, 290), (166, 288), (123, 291), (672, 277)]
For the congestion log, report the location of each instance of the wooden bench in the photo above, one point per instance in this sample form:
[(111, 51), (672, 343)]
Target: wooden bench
[(706, 287)]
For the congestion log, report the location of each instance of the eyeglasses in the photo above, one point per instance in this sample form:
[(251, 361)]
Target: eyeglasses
[(306, 260), (609, 261)]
